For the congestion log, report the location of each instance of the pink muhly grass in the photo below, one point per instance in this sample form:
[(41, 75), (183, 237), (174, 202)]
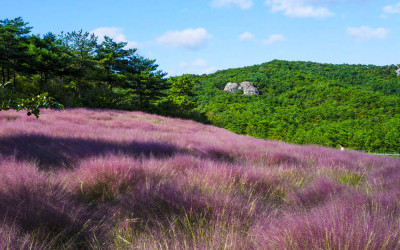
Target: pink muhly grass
[(55, 152), (105, 178), (279, 158), (86, 178), (163, 192), (316, 192), (176, 223), (349, 222), (37, 205), (137, 186), (183, 234), (385, 177), (9, 238)]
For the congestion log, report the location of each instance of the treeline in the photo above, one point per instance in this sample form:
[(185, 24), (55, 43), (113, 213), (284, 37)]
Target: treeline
[(77, 70), (357, 106)]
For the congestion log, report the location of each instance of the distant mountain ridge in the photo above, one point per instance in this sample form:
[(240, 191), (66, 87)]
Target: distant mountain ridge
[(309, 103)]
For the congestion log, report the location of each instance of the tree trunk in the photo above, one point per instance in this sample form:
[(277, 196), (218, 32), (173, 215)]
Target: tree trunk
[(14, 84), (40, 83), (79, 87), (45, 82), (109, 82), (3, 75)]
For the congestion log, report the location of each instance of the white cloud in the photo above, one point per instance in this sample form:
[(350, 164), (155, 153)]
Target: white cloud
[(116, 34), (243, 4), (246, 36), (365, 33), (188, 38), (298, 8), (392, 9), (274, 39)]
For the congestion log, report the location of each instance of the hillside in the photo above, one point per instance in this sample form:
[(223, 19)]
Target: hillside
[(357, 106), (108, 179)]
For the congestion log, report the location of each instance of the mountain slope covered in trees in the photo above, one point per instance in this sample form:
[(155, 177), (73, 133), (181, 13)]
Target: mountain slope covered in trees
[(357, 106)]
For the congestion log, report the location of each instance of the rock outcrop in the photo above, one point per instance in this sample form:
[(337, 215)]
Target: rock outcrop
[(231, 87), (247, 87)]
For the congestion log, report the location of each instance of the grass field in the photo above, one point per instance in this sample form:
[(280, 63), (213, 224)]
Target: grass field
[(112, 179)]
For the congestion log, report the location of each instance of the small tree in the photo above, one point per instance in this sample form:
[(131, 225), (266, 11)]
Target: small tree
[(181, 92), (146, 84), (113, 60), (47, 58), (82, 48)]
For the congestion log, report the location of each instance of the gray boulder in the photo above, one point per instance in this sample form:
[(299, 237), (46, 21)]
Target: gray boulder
[(231, 87), (248, 88)]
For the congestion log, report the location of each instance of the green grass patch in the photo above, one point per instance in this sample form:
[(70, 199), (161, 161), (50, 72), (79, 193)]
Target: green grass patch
[(351, 179)]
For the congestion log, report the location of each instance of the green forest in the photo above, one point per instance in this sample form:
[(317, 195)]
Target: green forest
[(357, 106)]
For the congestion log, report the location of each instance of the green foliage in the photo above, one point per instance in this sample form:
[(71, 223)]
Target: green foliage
[(14, 54), (181, 100), (357, 106), (30, 104), (181, 92), (16, 57), (112, 58)]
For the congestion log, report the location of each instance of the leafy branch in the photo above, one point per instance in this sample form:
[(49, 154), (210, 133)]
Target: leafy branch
[(32, 104)]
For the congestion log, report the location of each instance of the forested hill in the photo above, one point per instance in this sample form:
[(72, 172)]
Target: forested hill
[(357, 106)]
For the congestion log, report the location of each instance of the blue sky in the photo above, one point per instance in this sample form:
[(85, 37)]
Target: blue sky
[(208, 35)]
